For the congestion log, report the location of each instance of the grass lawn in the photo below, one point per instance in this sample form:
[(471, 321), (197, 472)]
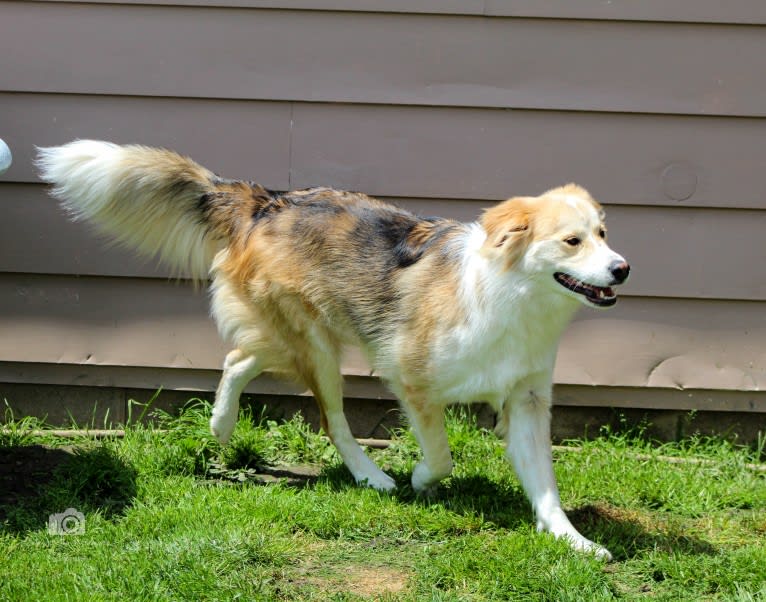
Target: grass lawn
[(169, 515)]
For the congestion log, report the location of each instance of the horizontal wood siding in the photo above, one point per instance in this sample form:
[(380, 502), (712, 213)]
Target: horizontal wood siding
[(699, 11), (435, 152), (444, 107), (643, 341), (431, 59)]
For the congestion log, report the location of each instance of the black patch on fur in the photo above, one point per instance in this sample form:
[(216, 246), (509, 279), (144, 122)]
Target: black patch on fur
[(269, 191), (205, 208), (266, 204), (393, 229), (181, 185), (204, 203), (387, 240), (406, 236), (207, 201)]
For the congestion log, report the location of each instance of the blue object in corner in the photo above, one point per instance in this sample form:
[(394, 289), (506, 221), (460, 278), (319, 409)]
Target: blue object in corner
[(5, 156)]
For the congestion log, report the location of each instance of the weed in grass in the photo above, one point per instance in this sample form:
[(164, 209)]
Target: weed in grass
[(15, 432), (246, 450), (188, 447), (261, 441), (294, 442)]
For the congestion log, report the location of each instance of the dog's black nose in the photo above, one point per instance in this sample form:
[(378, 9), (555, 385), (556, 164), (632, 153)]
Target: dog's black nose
[(620, 271)]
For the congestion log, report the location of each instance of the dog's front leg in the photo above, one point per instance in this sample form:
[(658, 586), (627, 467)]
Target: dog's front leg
[(427, 422), (239, 368), (529, 449)]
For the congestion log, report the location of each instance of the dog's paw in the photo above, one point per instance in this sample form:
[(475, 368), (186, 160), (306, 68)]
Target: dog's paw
[(601, 553), (559, 526), (422, 480), (425, 481), (582, 544), (222, 427), (379, 481)]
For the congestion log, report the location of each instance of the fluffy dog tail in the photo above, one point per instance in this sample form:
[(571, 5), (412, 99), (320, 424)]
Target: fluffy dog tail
[(152, 200)]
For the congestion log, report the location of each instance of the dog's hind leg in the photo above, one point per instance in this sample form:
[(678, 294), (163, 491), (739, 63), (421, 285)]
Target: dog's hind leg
[(529, 448), (239, 368), (427, 422), (327, 385)]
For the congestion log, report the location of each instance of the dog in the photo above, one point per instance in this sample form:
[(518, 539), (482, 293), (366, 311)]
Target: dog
[(445, 312)]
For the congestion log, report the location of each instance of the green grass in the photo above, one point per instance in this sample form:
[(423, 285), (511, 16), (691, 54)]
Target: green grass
[(170, 515)]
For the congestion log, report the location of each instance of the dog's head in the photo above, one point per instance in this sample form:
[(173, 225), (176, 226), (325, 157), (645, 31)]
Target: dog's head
[(560, 238)]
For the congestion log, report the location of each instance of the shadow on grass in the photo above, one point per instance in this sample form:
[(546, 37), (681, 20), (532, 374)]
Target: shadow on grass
[(469, 495), (38, 481), (624, 533)]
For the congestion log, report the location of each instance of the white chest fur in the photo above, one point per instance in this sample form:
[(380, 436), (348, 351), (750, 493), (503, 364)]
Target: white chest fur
[(511, 329)]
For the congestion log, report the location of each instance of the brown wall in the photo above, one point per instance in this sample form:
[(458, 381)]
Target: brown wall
[(441, 105)]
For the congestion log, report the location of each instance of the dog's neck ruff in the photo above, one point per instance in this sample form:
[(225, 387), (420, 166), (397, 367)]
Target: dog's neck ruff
[(502, 297), (511, 327)]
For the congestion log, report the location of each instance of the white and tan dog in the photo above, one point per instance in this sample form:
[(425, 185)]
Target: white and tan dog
[(445, 312)]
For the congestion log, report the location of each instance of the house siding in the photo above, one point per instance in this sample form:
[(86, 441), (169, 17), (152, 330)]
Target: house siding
[(442, 107)]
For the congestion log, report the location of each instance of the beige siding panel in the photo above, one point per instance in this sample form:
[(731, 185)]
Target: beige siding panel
[(665, 343), (670, 399), (448, 7), (443, 153), (106, 321), (167, 379), (36, 237), (246, 139), (677, 252), (491, 154), (701, 11), (714, 11), (384, 58), (364, 387), (149, 323)]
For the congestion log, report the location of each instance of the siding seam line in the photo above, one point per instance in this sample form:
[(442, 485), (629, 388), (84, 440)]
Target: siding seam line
[(290, 149)]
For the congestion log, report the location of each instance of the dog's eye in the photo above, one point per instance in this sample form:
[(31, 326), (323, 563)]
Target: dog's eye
[(572, 241), (602, 233)]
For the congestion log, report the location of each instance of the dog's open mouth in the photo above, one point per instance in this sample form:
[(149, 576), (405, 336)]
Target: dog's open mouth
[(602, 296)]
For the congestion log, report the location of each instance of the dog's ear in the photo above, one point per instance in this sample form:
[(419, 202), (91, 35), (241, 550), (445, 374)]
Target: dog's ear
[(509, 230)]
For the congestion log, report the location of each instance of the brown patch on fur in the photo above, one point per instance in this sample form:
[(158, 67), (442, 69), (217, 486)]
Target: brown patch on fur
[(415, 398), (554, 214), (437, 312), (509, 229), (423, 232), (230, 207)]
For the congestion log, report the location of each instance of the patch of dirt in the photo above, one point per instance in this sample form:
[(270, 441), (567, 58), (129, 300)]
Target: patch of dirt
[(373, 581), (25, 470), (367, 581)]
